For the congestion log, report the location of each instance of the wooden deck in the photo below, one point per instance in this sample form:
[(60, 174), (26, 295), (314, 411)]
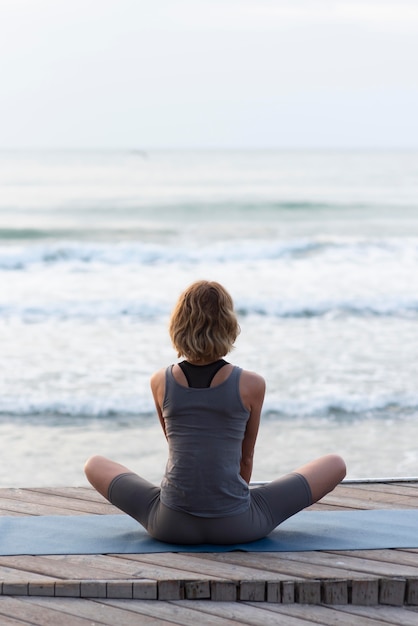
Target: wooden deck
[(361, 587)]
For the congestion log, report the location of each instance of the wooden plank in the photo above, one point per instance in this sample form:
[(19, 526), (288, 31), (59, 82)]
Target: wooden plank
[(392, 592), (59, 568), (10, 506), (348, 563), (374, 496), (76, 493), (119, 589), (273, 591), (287, 565), (335, 591), (9, 574), (41, 588), (320, 615), (170, 590), (308, 592), (398, 557), (26, 609), (11, 621), (412, 592), (181, 561), (197, 590), (364, 592), (363, 495), (68, 588), (15, 588), (203, 566), (36, 500), (254, 591), (145, 589), (395, 489), (6, 513), (187, 613), (223, 591), (351, 502), (127, 568), (288, 592), (242, 613), (382, 614), (91, 612), (323, 506)]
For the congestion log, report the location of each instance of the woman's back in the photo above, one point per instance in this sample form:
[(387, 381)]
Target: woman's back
[(205, 428)]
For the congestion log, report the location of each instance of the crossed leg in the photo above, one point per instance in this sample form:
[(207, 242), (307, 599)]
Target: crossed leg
[(101, 471), (323, 474)]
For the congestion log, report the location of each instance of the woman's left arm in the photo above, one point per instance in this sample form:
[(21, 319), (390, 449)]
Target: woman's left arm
[(252, 389)]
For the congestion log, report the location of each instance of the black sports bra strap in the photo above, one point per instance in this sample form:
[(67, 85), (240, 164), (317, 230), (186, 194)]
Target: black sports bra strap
[(201, 376)]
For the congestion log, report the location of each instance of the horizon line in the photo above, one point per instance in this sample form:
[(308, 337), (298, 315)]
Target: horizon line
[(149, 149)]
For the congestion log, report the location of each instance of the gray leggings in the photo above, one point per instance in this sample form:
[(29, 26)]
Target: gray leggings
[(270, 505)]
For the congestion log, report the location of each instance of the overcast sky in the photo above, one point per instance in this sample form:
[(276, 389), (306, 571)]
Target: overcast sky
[(208, 73)]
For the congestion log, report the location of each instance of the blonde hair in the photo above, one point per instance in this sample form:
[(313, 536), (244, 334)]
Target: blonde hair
[(203, 324)]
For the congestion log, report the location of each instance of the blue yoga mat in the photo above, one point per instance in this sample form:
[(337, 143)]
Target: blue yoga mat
[(120, 534)]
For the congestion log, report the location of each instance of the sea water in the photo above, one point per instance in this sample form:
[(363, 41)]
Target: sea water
[(318, 249)]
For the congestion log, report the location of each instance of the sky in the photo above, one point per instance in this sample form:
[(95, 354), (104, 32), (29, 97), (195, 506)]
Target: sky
[(155, 74)]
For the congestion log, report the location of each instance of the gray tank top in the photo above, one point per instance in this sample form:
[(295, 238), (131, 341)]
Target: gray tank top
[(205, 428)]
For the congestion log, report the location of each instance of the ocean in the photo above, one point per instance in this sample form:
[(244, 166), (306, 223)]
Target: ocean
[(319, 251)]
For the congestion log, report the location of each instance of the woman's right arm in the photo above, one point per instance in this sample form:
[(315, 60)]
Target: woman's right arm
[(158, 389)]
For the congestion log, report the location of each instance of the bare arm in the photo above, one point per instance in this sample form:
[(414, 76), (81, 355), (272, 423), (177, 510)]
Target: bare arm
[(252, 389), (158, 389)]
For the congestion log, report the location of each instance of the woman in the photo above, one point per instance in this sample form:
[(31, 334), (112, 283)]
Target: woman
[(210, 412)]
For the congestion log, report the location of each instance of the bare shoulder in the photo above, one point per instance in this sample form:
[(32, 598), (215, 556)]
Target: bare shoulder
[(253, 381), (157, 379), (252, 388)]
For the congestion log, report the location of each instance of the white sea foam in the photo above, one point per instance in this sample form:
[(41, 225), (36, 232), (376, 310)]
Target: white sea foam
[(90, 311), (55, 410), (385, 404), (283, 278), (332, 250), (134, 408)]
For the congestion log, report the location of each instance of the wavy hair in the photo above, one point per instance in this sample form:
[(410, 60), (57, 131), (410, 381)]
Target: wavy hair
[(203, 325)]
